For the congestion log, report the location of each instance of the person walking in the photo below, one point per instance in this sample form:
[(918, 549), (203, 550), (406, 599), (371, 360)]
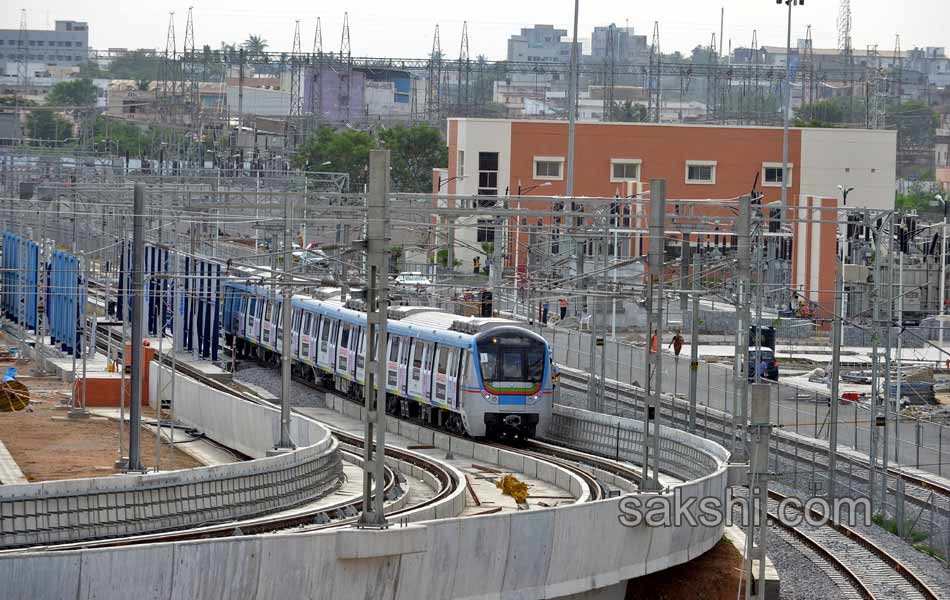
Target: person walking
[(677, 343), (544, 312), (562, 303), (653, 342)]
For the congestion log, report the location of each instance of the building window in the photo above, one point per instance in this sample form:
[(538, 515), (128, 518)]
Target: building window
[(548, 167), (624, 169), (487, 177), (772, 174), (69, 44), (485, 232), (460, 168), (701, 171)]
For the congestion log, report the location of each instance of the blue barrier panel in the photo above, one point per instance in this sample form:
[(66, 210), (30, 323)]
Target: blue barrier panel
[(67, 297)]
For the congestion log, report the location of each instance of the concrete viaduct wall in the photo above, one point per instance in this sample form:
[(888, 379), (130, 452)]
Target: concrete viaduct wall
[(79, 509), (545, 553)]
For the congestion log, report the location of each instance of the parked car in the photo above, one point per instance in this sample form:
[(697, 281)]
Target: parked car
[(313, 259), (411, 280)]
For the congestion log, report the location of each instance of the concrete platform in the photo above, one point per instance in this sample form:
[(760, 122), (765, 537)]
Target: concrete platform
[(10, 472), (202, 450)]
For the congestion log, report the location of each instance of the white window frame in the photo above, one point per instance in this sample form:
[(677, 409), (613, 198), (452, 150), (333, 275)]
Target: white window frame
[(460, 167), (626, 161), (557, 159), (777, 165), (700, 163)]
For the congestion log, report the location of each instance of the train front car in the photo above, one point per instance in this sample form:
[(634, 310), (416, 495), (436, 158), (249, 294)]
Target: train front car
[(515, 392)]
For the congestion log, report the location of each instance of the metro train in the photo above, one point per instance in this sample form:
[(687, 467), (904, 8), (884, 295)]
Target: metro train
[(485, 377)]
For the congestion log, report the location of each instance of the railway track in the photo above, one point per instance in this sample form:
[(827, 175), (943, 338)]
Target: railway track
[(341, 513), (920, 492), (855, 564)]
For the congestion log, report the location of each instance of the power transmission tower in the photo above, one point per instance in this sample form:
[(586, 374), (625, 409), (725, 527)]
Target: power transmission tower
[(166, 69), (845, 49), (316, 77), (465, 68), (899, 59), (656, 78), (807, 69), (347, 69), (712, 91), (23, 68), (434, 76), (189, 63), (296, 104), (610, 66)]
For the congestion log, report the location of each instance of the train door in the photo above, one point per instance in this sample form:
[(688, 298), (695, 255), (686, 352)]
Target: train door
[(251, 319), (360, 351), (417, 358), (264, 320), (296, 323), (440, 376), (451, 394), (392, 364), (327, 356), (277, 319), (241, 317), (403, 381), (428, 368), (302, 344), (312, 339), (343, 350)]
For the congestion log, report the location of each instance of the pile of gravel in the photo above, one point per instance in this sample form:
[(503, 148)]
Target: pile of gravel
[(269, 379)]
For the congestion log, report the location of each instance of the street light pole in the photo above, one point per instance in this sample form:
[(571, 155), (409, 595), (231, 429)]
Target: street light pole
[(788, 100), (943, 264)]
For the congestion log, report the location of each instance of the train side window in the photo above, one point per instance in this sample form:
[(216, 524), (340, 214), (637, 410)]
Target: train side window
[(306, 323), (406, 346), (252, 304), (267, 310), (417, 356), (443, 360), (345, 337), (325, 335), (394, 349)]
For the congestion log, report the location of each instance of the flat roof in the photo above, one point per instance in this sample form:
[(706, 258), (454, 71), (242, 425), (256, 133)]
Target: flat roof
[(627, 124)]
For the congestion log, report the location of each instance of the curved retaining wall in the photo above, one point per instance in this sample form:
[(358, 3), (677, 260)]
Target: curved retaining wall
[(120, 505), (546, 553)]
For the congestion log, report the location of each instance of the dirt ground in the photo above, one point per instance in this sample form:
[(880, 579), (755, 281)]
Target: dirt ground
[(712, 576), (46, 448)]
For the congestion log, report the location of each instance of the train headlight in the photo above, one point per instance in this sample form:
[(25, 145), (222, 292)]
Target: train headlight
[(491, 399)]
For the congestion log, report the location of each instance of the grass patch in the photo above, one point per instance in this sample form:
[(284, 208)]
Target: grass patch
[(915, 537)]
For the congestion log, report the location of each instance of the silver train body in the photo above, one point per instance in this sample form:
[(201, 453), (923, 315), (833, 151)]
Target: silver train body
[(484, 377)]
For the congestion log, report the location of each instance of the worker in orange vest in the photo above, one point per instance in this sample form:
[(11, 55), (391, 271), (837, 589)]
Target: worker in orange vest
[(653, 342)]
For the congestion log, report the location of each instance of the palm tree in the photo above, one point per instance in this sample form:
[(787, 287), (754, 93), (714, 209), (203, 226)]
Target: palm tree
[(255, 45)]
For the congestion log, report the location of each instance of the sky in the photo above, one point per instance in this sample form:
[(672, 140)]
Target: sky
[(405, 29)]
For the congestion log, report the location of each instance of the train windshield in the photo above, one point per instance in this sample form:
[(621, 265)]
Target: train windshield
[(511, 360)]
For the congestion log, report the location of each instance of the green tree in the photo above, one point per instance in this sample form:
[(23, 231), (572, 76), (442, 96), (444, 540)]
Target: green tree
[(78, 92), (416, 151), (916, 123), (138, 64), (346, 151), (45, 127), (255, 45), (628, 112)]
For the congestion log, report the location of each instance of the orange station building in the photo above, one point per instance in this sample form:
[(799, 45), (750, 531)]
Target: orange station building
[(499, 157)]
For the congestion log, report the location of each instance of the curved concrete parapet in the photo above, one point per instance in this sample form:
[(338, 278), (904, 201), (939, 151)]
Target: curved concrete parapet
[(121, 505), (543, 553)]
